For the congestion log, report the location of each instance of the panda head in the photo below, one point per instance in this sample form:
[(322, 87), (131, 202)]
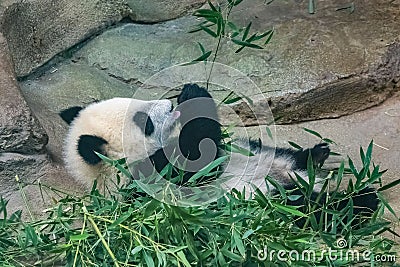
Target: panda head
[(117, 128)]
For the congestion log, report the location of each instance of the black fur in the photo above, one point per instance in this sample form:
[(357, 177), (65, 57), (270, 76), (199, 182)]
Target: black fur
[(255, 145), (191, 91), (68, 115), (365, 202), (144, 122), (319, 154), (87, 144), (200, 122)]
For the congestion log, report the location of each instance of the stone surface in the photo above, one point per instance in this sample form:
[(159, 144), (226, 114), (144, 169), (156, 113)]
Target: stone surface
[(42, 193), (19, 130), (22, 139), (346, 58), (38, 30), (159, 10), (28, 168)]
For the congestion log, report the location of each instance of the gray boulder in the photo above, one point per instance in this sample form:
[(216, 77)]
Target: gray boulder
[(22, 139), (20, 132), (38, 30), (325, 65), (160, 10)]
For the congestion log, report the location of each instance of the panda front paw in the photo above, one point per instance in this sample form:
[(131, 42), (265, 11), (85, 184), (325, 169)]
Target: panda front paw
[(320, 153), (191, 91)]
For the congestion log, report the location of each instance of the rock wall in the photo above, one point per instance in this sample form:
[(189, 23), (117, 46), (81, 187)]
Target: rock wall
[(22, 139), (38, 30)]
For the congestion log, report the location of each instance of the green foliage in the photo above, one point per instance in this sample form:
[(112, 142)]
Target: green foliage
[(95, 230), (217, 24)]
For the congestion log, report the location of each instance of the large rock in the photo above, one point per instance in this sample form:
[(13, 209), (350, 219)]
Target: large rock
[(159, 10), (19, 130), (324, 65), (22, 139), (37, 30), (28, 168), (328, 64)]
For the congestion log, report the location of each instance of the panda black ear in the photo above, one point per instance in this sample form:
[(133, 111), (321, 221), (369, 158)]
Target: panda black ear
[(68, 115), (87, 145)]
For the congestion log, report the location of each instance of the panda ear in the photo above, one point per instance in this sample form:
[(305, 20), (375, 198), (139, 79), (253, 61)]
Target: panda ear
[(68, 115), (87, 145), (144, 122)]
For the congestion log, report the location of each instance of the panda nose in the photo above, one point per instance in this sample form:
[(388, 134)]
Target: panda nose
[(172, 107)]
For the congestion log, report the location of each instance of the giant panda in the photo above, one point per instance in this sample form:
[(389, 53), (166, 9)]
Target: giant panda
[(148, 127)]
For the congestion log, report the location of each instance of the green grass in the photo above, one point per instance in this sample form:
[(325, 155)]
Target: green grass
[(95, 230)]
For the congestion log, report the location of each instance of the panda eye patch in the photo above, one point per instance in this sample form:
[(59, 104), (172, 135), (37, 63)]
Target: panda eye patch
[(144, 122)]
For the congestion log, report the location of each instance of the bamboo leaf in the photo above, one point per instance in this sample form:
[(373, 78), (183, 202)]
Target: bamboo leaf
[(148, 259), (212, 6), (79, 237), (259, 37), (239, 243), (237, 2), (209, 31), (269, 38), (201, 58), (182, 257), (269, 132), (205, 170), (312, 132), (288, 209), (246, 44), (293, 144), (231, 255), (390, 185), (237, 149), (246, 31)]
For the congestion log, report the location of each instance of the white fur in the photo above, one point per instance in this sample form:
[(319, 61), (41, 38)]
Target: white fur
[(112, 120), (244, 172)]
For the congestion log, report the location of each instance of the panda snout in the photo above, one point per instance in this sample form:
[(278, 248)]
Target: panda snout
[(176, 115)]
